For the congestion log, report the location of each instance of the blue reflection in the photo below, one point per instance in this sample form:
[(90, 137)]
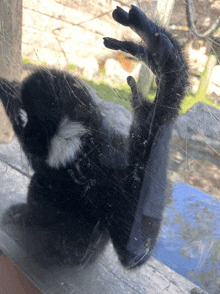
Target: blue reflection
[(189, 241)]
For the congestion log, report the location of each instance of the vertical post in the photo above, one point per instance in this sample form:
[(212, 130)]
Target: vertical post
[(10, 53), (162, 15), (205, 77), (164, 11)]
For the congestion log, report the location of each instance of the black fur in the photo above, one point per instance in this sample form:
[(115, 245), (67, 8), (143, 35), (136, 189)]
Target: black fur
[(84, 182)]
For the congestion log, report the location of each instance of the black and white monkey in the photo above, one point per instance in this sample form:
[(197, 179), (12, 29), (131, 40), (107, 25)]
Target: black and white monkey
[(82, 164)]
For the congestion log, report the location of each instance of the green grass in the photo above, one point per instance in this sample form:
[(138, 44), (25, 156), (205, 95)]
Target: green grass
[(102, 71), (71, 67), (118, 94), (121, 95), (25, 60), (191, 99)]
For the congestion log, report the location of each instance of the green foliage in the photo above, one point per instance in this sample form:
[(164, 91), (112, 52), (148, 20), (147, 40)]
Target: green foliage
[(121, 95), (25, 60), (102, 71), (188, 102), (205, 77), (71, 67), (218, 30), (191, 99), (117, 94)]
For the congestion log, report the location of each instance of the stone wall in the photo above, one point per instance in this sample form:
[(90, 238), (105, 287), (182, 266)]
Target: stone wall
[(61, 32), (195, 149)]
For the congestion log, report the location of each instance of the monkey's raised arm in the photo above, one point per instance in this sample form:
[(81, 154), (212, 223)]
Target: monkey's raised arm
[(164, 57), (134, 228)]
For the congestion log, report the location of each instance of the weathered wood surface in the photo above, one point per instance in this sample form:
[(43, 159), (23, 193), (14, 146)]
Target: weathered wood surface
[(103, 274), (10, 54)]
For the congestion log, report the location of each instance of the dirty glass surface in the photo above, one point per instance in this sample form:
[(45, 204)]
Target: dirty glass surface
[(189, 239)]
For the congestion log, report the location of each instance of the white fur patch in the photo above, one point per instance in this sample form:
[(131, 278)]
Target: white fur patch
[(66, 143), (23, 116)]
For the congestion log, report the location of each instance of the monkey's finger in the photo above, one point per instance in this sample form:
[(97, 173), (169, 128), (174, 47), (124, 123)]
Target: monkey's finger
[(144, 27), (129, 47), (133, 85), (121, 16), (135, 100), (138, 22)]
